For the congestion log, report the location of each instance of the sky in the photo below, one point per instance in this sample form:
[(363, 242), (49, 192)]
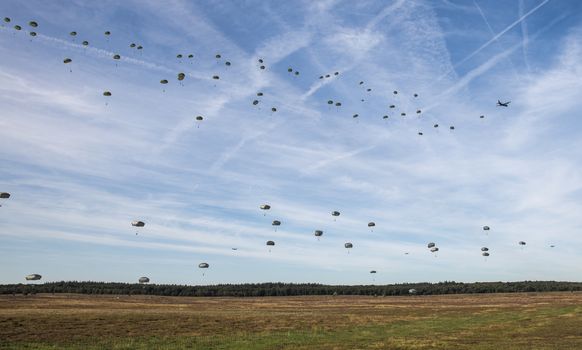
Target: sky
[(80, 167)]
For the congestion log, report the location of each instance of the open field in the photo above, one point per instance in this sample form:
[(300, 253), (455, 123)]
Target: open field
[(483, 321)]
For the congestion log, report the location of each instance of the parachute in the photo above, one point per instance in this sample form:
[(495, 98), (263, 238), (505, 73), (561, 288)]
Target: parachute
[(385, 117), (348, 245), (255, 102), (338, 104), (132, 45), (7, 19), (4, 195), (137, 224), (403, 114), (276, 223), (181, 76), (392, 106), (412, 291), (415, 95), (218, 56), (116, 57), (199, 118), (107, 93), (368, 90), (227, 63), (485, 254), (329, 102), (371, 224), (265, 207), (179, 55), (431, 245), (321, 77), (270, 243), (259, 94), (361, 82), (85, 43), (33, 24), (452, 127), (355, 115), (107, 33), (373, 271), (215, 77), (481, 116), (335, 213), (261, 60), (327, 75), (203, 265), (436, 125), (139, 47), (336, 73), (273, 109), (420, 134), (143, 280), (289, 70), (418, 111), (484, 249), (190, 56), (522, 243), (163, 81), (486, 228), (73, 33), (262, 67), (17, 27), (67, 60), (318, 233), (434, 249), (32, 33), (33, 277), (395, 92)]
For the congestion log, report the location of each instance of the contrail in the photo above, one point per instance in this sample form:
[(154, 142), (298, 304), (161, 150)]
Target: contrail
[(518, 21)]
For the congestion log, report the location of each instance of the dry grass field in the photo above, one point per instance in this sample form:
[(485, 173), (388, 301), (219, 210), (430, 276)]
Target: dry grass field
[(485, 321)]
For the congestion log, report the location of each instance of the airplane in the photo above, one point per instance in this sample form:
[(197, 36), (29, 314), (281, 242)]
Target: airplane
[(503, 104)]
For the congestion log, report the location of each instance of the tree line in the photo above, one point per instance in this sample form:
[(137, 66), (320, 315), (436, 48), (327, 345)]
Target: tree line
[(288, 289)]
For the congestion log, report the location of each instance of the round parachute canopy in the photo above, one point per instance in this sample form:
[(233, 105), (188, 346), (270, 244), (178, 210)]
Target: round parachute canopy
[(179, 55), (436, 125), (73, 33), (67, 60), (163, 81), (190, 56), (143, 280), (431, 244), (33, 24), (265, 207), (338, 104), (486, 228), (481, 116), (218, 55), (262, 67), (132, 45), (85, 43), (485, 254), (373, 271), (33, 277), (327, 75), (521, 243), (7, 19), (403, 114), (199, 118), (415, 95), (318, 233), (335, 213), (385, 117), (355, 115), (139, 47), (371, 224), (138, 223), (452, 128), (107, 33), (116, 57), (289, 70), (484, 249), (296, 73), (276, 223), (261, 60), (412, 291), (4, 195), (227, 63), (329, 102), (181, 76), (348, 245), (270, 243), (203, 265), (336, 73), (369, 90), (418, 111), (259, 94), (215, 77), (395, 92), (434, 249), (273, 109), (392, 106), (420, 134), (32, 33), (321, 77), (256, 102), (107, 93), (361, 82), (17, 27)]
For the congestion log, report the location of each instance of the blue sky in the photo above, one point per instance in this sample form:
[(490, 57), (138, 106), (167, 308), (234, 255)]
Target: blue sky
[(81, 166)]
